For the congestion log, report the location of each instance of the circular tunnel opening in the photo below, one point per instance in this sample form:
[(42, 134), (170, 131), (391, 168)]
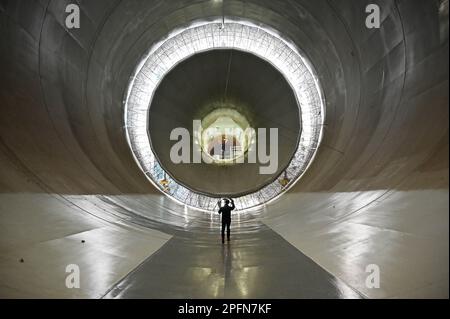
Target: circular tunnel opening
[(223, 88), (232, 95), (225, 136)]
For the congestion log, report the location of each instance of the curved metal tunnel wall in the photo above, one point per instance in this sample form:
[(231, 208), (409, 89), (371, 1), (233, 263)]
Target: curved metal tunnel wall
[(377, 192), (190, 91)]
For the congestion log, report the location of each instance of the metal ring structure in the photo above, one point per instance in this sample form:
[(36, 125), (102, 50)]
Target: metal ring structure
[(246, 36)]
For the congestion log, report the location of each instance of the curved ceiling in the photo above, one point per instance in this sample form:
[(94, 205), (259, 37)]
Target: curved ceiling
[(385, 139), (367, 78)]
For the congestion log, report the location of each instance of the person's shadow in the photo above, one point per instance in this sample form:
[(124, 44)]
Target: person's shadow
[(227, 261)]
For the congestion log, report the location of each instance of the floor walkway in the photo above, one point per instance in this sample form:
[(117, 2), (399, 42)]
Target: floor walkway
[(259, 264)]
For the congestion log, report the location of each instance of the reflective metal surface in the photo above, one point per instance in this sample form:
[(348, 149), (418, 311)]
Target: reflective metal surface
[(254, 264), (377, 192), (237, 62)]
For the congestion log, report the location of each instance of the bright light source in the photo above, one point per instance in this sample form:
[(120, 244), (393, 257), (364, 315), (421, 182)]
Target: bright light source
[(225, 136), (238, 35)]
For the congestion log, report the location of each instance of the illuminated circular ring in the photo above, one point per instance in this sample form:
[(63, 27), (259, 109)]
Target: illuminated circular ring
[(232, 34)]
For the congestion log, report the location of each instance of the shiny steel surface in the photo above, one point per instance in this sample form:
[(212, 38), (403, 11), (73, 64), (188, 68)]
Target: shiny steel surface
[(254, 87), (377, 192), (254, 264)]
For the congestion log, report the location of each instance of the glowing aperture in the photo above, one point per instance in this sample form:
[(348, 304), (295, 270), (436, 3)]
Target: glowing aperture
[(225, 136)]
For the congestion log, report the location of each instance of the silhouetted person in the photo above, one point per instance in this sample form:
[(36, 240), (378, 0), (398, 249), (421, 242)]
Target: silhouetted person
[(225, 210)]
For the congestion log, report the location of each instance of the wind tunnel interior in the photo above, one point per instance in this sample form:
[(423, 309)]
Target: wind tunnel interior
[(236, 80), (375, 193)]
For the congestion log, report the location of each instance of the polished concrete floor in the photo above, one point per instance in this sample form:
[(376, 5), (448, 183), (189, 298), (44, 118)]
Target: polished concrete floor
[(258, 264)]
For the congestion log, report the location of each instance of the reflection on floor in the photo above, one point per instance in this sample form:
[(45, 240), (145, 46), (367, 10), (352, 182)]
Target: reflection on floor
[(258, 264)]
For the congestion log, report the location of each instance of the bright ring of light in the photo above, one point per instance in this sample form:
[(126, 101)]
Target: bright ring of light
[(239, 35)]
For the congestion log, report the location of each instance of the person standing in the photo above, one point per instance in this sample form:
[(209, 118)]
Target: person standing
[(225, 210)]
